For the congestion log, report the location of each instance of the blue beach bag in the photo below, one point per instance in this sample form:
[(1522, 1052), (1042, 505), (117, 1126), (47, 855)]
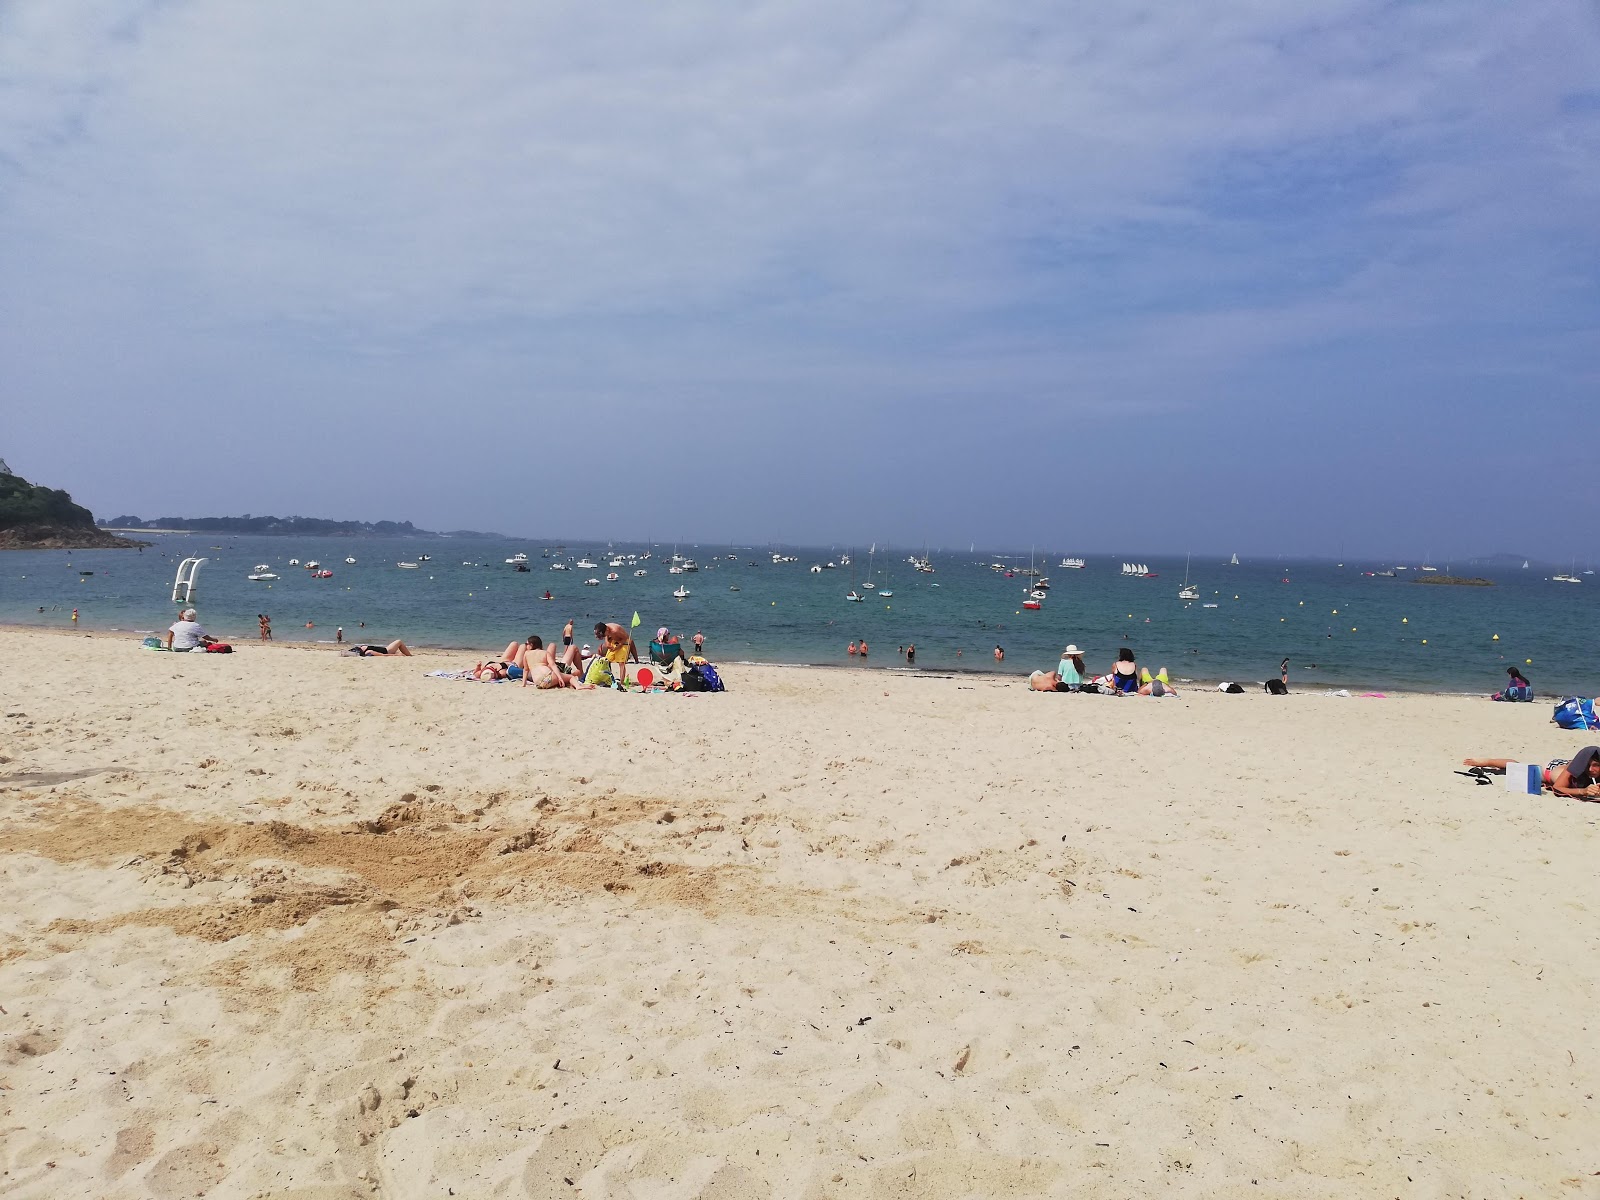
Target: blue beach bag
[(1576, 713), (713, 680)]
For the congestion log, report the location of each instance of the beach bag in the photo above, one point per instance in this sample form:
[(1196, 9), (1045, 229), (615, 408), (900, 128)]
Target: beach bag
[(1233, 689), (1576, 713), (219, 648), (1277, 687), (694, 680), (713, 680)]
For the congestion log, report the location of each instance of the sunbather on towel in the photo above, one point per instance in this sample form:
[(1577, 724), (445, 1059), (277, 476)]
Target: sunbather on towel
[(365, 651), (1577, 777)]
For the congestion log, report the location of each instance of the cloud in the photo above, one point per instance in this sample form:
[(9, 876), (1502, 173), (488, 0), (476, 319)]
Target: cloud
[(1099, 209)]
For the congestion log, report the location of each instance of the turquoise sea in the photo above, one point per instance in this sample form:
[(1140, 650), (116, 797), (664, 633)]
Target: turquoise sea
[(1338, 626)]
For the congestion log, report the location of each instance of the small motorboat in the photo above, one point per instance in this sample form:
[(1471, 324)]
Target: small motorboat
[(1208, 606), (262, 567), (322, 574), (583, 564), (854, 597), (886, 593), (640, 573), (517, 558), (85, 572), (591, 582), (405, 566), (522, 568), (733, 587), (1037, 594), (1032, 605), (1189, 593), (312, 564), (349, 562), (264, 575), (294, 562), (422, 558), (680, 592), (612, 577)]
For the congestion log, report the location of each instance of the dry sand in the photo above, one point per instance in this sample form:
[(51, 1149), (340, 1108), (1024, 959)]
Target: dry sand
[(284, 923)]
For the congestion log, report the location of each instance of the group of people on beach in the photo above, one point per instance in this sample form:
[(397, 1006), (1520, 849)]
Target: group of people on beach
[(1125, 678), (602, 664)]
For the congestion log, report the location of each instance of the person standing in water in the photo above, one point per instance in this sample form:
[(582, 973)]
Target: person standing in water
[(999, 654), (566, 633), (699, 643), (911, 655)]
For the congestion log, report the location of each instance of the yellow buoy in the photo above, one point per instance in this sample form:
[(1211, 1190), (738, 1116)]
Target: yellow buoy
[(1352, 629), (1405, 620), (1424, 641), (1528, 661), (1336, 612), (1496, 638)]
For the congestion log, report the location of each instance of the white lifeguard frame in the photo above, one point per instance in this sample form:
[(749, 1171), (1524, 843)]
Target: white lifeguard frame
[(183, 582)]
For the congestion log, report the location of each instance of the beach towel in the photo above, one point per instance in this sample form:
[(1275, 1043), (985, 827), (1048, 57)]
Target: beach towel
[(448, 674)]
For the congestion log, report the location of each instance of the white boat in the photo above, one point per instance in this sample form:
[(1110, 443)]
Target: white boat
[(869, 586), (349, 562), (640, 573), (680, 592), (556, 566), (262, 567), (517, 558), (583, 564), (690, 565), (1038, 594), (294, 562), (1188, 591), (1136, 570), (612, 577), (262, 575), (591, 582), (1208, 606), (1073, 564), (1524, 564), (312, 564), (853, 597), (422, 558), (674, 570), (1234, 561), (886, 593), (405, 566), (816, 568), (1565, 578)]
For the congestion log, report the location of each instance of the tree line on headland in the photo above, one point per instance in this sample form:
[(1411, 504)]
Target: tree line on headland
[(306, 526), (36, 517)]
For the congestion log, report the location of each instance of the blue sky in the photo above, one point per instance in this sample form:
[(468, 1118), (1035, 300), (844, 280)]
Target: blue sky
[(1263, 276)]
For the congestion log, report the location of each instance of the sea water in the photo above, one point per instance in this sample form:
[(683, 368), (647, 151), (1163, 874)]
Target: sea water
[(1339, 627)]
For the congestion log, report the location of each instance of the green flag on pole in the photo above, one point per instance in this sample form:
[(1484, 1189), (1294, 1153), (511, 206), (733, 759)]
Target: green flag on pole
[(636, 621)]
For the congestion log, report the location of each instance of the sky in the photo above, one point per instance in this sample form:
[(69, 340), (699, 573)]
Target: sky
[(1266, 276)]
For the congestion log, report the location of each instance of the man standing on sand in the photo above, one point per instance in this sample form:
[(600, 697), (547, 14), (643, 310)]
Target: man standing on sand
[(338, 635), (617, 647), (699, 643)]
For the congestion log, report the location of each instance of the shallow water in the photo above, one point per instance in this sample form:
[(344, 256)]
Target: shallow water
[(1338, 627)]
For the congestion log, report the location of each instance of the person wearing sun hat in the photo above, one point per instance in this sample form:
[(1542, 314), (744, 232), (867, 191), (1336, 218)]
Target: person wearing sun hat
[(1071, 670), (1578, 776)]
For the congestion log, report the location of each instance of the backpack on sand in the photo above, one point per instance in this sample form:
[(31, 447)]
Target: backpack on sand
[(1277, 687), (1576, 713)]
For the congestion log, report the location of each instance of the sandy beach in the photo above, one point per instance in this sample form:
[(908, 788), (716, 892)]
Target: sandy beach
[(286, 923)]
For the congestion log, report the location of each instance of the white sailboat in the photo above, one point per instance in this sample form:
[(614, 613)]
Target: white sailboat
[(1234, 561), (869, 585), (1188, 591)]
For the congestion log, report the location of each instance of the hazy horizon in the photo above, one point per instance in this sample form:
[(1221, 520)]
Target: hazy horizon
[(1258, 276)]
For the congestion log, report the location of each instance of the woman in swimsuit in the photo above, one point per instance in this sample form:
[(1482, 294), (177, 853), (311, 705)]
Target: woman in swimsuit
[(1577, 777), (1125, 672), (394, 647)]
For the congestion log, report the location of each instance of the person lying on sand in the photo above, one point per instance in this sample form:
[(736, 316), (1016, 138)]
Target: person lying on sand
[(542, 666), (1047, 681), (394, 647), (1577, 777)]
